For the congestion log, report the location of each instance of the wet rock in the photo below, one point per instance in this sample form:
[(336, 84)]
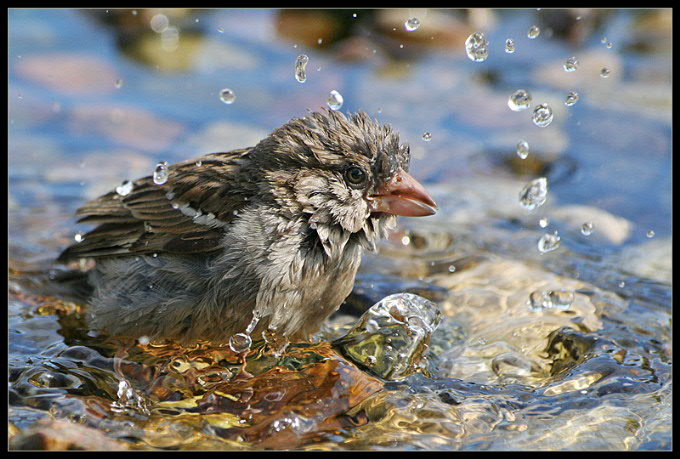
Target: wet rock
[(60, 435)]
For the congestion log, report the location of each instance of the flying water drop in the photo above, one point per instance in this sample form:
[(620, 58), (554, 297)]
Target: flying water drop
[(533, 32), (519, 100), (160, 174), (227, 96), (587, 228), (548, 242), (476, 47), (571, 99), (300, 64), (571, 64), (412, 24), (534, 194), (509, 46), (543, 115), (335, 100), (522, 149)]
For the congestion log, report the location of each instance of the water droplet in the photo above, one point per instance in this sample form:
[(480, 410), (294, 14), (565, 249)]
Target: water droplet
[(558, 299), (412, 24), (571, 64), (571, 99), (220, 29), (160, 174), (405, 240), (543, 115), (319, 41), (125, 188), (335, 100), (543, 222), (370, 361), (79, 237), (622, 284), (476, 47), (548, 242), (533, 32), (199, 163), (452, 268), (159, 23), (143, 340), (300, 64), (509, 46), (240, 342), (519, 100), (119, 83), (427, 136), (534, 194), (227, 96), (603, 40), (354, 15), (604, 73), (587, 228), (523, 149), (650, 234)]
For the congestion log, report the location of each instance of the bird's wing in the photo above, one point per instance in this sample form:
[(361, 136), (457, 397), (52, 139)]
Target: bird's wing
[(186, 214)]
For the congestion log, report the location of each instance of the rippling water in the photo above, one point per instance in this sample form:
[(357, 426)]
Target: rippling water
[(562, 349)]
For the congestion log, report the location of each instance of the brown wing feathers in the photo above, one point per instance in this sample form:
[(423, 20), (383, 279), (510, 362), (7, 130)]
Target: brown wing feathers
[(164, 218)]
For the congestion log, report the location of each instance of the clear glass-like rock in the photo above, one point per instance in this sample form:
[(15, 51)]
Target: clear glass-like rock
[(390, 338)]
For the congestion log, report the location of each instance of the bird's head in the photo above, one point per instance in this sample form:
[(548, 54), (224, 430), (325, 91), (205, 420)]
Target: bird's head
[(349, 174)]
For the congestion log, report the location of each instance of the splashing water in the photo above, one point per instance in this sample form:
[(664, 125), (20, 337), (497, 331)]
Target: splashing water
[(534, 194), (227, 96), (522, 149), (558, 299), (300, 64), (543, 115), (509, 46), (476, 47), (533, 32), (412, 24), (335, 100), (548, 242), (160, 174), (519, 100), (587, 228), (571, 99), (571, 64)]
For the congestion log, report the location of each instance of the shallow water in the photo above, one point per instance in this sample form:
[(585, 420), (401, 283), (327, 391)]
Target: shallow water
[(562, 349)]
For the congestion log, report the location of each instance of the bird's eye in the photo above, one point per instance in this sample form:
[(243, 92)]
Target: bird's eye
[(355, 175)]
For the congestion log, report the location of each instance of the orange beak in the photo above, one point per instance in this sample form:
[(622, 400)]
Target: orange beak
[(403, 195)]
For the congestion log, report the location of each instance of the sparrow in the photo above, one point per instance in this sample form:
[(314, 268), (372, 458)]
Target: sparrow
[(261, 239)]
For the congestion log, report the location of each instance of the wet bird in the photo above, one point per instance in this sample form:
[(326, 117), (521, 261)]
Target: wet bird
[(262, 238)]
